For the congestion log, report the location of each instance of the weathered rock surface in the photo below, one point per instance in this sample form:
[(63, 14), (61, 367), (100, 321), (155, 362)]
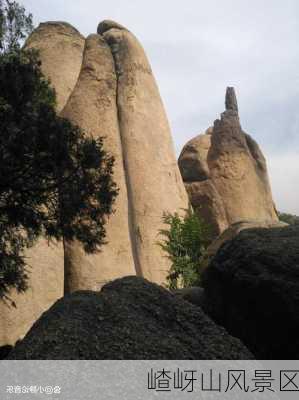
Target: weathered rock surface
[(238, 171), (235, 229), (111, 93), (60, 47), (92, 106), (225, 173), (60, 50), (129, 319), (193, 159), (252, 289), (153, 180), (207, 202), (45, 264)]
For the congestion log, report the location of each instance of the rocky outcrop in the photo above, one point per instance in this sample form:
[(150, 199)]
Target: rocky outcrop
[(251, 288), (238, 170), (130, 318), (153, 179), (60, 51), (225, 173), (235, 229), (109, 91), (60, 48), (92, 106), (193, 159)]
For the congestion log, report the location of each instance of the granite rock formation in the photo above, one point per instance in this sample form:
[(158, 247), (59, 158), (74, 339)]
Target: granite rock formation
[(92, 106), (225, 173), (130, 318), (251, 288), (61, 49), (234, 229), (105, 85), (153, 178)]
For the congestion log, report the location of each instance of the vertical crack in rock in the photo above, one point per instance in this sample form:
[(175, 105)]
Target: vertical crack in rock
[(113, 45), (135, 126), (154, 183), (60, 47), (93, 107)]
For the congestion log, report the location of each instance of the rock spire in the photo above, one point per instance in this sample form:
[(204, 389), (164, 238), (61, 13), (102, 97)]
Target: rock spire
[(225, 173)]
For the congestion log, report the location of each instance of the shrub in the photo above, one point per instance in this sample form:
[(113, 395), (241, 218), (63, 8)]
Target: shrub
[(185, 242)]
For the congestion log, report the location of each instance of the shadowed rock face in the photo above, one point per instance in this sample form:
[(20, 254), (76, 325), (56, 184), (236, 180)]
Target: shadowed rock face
[(234, 229), (231, 103), (226, 167), (130, 318), (106, 86), (251, 288)]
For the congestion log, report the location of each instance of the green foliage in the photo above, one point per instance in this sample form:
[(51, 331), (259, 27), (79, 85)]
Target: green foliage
[(15, 25), (54, 180), (288, 218), (185, 242)]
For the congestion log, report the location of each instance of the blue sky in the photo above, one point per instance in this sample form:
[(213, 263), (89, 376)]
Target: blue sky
[(196, 49)]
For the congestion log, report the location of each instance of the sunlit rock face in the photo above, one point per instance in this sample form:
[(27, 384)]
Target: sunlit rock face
[(154, 183), (105, 85), (225, 173)]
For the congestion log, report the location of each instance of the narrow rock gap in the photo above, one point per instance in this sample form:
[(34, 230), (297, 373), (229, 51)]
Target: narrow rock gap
[(114, 48)]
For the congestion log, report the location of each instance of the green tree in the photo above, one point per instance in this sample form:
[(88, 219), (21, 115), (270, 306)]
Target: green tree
[(288, 218), (15, 25), (54, 180), (184, 242)]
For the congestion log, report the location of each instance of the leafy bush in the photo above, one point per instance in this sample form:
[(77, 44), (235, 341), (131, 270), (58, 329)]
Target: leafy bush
[(185, 243)]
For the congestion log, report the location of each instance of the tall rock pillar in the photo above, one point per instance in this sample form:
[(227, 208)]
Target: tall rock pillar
[(92, 106), (153, 179), (238, 169), (225, 173)]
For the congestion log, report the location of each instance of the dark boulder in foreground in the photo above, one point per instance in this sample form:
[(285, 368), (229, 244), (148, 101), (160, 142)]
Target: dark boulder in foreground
[(252, 289), (4, 351), (129, 319), (193, 294)]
